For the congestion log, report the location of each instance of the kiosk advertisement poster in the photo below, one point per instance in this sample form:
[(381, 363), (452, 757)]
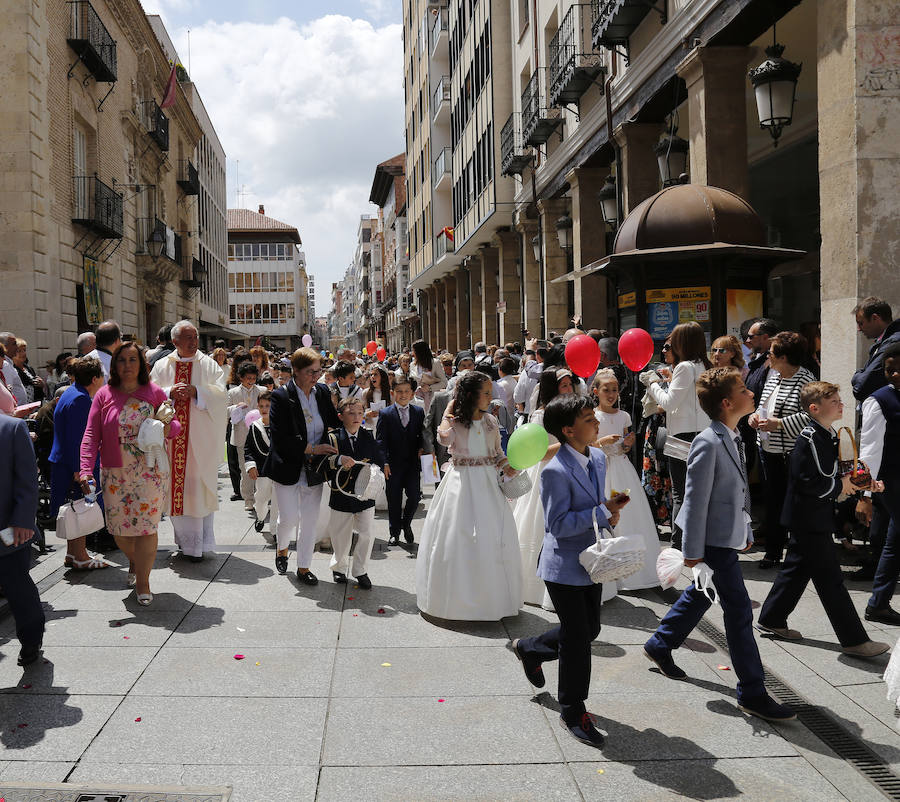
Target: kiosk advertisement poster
[(667, 308), (742, 305)]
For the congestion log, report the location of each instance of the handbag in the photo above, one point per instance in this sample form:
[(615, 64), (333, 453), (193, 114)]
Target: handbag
[(611, 558), (676, 448), (856, 469), (516, 486), (78, 518)]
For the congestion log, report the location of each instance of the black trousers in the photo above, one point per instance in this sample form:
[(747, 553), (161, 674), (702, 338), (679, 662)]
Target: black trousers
[(406, 479), (22, 595), (234, 468), (811, 556), (774, 491), (578, 608)]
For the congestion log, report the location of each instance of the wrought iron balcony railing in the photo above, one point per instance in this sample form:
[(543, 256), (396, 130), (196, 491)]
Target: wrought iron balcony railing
[(538, 121), (98, 207), (613, 21), (573, 68), (89, 38), (513, 158), (156, 123), (188, 178)]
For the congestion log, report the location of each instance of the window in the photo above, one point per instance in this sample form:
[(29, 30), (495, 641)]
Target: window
[(230, 252), (264, 250), (256, 282), (290, 282), (231, 282), (239, 282)]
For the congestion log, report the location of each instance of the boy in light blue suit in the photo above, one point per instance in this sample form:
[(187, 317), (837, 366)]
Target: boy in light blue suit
[(572, 494), (715, 520)]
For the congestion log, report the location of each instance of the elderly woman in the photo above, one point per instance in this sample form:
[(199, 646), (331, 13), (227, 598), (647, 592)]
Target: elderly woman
[(69, 422), (134, 491), (779, 419), (726, 353), (300, 417)]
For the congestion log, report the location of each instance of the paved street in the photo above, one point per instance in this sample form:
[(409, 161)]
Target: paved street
[(344, 692)]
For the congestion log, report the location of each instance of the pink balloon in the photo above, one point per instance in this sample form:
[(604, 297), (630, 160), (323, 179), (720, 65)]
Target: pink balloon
[(582, 355), (306, 339), (252, 416), (635, 349)]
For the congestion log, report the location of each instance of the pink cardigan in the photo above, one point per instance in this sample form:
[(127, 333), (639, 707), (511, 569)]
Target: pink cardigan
[(102, 433)]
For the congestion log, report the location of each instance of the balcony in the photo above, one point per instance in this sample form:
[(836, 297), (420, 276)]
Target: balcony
[(188, 178), (443, 244), (538, 121), (440, 177), (439, 28), (89, 38), (156, 123), (613, 21), (440, 102), (197, 273), (158, 250), (513, 158), (572, 70), (98, 207)]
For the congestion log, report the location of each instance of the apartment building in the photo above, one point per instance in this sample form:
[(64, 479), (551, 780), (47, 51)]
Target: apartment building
[(97, 212), (267, 285)]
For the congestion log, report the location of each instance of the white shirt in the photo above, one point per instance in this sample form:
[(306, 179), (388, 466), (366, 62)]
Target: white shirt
[(584, 461), (871, 436), (508, 385), (315, 426), (105, 360), (683, 411)]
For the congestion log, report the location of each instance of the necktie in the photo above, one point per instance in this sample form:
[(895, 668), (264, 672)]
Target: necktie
[(404, 416), (739, 444), (592, 475), (353, 443)]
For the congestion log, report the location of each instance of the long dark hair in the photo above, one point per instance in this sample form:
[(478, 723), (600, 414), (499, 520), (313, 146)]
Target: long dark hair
[(689, 343), (239, 355), (465, 395), (384, 382), (548, 385), (143, 372), (424, 357)]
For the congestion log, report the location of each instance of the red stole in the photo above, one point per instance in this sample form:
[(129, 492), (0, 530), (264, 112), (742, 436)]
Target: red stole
[(180, 443)]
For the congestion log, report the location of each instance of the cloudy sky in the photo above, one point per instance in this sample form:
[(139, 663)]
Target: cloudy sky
[(306, 97)]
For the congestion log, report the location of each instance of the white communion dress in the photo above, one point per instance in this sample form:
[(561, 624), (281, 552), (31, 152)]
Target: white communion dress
[(468, 566), (636, 518)]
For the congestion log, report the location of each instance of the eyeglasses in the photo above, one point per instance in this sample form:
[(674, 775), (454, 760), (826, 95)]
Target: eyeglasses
[(667, 347), (751, 335), (720, 350)]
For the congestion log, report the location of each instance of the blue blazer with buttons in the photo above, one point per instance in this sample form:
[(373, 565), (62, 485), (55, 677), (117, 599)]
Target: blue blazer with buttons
[(18, 479), (569, 498)]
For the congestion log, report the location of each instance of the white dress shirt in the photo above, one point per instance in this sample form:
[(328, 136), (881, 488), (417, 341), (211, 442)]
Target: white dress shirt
[(871, 436), (315, 426), (584, 461)]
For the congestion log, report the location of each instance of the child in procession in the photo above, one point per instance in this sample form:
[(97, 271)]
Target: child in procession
[(256, 449)]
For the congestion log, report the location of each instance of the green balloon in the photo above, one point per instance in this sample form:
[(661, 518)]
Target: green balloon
[(527, 446)]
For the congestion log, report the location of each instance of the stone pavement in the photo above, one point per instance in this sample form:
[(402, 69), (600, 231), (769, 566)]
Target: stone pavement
[(344, 692)]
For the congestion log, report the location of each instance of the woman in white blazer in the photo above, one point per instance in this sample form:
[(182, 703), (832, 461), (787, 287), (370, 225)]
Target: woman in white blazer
[(684, 416)]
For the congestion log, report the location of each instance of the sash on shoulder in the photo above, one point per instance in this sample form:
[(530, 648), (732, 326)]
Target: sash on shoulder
[(180, 443)]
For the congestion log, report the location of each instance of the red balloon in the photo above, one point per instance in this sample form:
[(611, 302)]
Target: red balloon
[(371, 347), (635, 349), (381, 354), (582, 355)]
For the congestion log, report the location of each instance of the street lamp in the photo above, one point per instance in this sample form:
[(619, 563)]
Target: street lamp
[(608, 199), (775, 86), (671, 157), (564, 232), (156, 242), (536, 247)]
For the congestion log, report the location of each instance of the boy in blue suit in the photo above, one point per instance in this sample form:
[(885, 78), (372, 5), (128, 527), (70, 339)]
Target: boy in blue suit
[(572, 494), (715, 521)]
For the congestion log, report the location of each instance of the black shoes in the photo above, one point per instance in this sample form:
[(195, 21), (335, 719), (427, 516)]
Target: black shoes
[(236, 497), (765, 563), (309, 578), (534, 674), (408, 535), (886, 615), (394, 540), (339, 578), (584, 730), (766, 707), (29, 654), (258, 526), (864, 574), (364, 582), (281, 564), (664, 662)]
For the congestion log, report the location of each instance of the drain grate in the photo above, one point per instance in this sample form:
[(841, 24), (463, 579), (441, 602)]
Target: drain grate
[(826, 729), (76, 792)]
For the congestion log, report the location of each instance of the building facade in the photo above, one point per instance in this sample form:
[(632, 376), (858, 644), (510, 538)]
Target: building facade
[(267, 285), (96, 215)]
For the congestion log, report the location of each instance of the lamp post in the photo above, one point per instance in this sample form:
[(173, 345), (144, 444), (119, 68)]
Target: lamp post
[(608, 199), (775, 86), (537, 244), (156, 242), (564, 232), (671, 157)]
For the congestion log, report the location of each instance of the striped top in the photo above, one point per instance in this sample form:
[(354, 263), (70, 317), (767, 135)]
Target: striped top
[(787, 408)]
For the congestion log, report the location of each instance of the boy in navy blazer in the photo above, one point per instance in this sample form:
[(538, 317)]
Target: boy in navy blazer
[(400, 433), (355, 445), (572, 495), (715, 521)]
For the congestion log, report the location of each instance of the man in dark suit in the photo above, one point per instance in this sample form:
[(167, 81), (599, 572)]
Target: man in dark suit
[(400, 436), (18, 510)]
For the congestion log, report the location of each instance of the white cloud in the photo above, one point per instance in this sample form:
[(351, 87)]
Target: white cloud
[(308, 111)]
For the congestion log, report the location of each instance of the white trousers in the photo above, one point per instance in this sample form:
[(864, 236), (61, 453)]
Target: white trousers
[(298, 513), (246, 481), (194, 535), (341, 531), (262, 496)]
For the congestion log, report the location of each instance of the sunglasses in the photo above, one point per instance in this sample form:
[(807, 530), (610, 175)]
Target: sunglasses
[(667, 347), (720, 350)]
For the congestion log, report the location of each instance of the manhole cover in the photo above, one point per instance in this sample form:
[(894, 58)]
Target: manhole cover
[(71, 792)]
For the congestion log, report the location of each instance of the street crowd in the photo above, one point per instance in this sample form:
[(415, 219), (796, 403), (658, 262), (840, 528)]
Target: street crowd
[(316, 442)]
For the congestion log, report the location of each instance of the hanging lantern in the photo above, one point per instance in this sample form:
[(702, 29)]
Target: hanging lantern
[(564, 232), (672, 158), (775, 86), (536, 247), (608, 199)]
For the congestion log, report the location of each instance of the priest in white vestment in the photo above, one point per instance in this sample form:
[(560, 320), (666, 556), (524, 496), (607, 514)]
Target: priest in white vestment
[(196, 385)]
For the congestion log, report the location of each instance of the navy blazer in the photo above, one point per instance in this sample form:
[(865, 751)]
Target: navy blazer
[(813, 482), (569, 500), (287, 434), (18, 479), (69, 422), (366, 451), (400, 446)]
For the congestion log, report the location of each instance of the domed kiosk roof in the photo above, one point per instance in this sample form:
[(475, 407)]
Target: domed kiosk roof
[(686, 215)]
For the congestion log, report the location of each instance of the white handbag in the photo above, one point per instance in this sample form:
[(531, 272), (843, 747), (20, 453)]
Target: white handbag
[(78, 518), (515, 486), (611, 558), (676, 448)]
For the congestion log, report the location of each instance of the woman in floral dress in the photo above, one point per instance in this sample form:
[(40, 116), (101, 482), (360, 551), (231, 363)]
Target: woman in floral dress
[(134, 491)]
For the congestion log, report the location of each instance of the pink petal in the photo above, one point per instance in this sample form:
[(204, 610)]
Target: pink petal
[(239, 657), (441, 700), (126, 637), (381, 610), (26, 685), (724, 668), (22, 725), (356, 615), (350, 598), (137, 720)]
